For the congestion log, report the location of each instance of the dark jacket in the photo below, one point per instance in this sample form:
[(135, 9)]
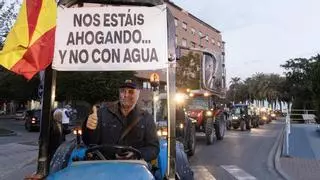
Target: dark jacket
[(111, 124)]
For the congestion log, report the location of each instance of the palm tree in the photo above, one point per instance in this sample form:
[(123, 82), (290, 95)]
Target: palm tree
[(234, 83)]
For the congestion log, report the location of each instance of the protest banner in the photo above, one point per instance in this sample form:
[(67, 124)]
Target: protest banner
[(111, 38)]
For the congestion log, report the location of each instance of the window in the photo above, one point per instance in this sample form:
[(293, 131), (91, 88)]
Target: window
[(193, 31), (184, 25), (219, 44), (146, 85), (212, 41), (184, 42), (176, 39), (193, 44), (200, 34), (207, 37), (176, 21)]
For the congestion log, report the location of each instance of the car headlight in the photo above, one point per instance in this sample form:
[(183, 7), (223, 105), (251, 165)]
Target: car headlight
[(273, 115), (264, 118), (208, 113)]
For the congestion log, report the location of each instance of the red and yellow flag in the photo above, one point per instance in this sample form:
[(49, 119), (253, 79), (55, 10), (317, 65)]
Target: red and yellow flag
[(29, 46)]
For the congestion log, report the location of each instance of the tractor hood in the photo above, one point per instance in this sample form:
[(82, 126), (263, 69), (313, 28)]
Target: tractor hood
[(104, 170), (194, 112)]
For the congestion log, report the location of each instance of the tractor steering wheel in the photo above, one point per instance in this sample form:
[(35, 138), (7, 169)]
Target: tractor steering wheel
[(112, 150)]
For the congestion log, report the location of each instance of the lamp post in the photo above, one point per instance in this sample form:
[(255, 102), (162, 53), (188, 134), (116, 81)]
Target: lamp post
[(155, 82)]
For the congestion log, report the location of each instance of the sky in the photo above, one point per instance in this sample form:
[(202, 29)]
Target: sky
[(261, 35)]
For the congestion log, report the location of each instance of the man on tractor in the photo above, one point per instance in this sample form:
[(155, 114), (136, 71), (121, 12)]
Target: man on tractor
[(123, 123)]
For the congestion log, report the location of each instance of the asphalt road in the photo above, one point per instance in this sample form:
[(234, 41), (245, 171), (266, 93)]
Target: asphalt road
[(22, 135), (241, 155)]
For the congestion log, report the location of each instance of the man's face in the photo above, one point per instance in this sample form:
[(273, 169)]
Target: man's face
[(128, 97)]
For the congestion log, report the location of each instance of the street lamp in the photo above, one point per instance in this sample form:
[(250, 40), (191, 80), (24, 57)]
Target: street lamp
[(155, 82)]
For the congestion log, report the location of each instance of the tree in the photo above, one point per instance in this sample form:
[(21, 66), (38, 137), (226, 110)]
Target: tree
[(188, 71), (90, 86), (298, 77), (315, 83), (8, 15)]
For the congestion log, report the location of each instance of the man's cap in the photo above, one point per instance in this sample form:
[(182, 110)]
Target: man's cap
[(129, 84)]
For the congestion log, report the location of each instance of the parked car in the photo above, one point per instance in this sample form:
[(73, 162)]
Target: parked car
[(32, 120), (2, 112), (20, 114)]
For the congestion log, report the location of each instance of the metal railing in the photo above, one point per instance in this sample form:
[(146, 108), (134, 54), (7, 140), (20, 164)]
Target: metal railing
[(302, 116), (297, 115)]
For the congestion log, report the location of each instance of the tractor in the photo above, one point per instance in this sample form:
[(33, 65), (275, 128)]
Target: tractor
[(185, 126), (210, 118)]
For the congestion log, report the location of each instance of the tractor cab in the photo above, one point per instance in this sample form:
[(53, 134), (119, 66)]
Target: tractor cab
[(240, 117), (185, 126)]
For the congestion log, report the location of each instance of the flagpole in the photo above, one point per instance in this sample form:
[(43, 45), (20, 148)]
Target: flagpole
[(46, 118)]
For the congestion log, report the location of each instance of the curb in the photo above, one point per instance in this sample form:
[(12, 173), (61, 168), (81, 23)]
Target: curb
[(278, 153)]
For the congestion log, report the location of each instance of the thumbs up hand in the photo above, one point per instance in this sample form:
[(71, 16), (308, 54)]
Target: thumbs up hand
[(93, 119)]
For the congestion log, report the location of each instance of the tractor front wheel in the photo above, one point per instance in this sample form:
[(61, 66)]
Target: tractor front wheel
[(210, 131)]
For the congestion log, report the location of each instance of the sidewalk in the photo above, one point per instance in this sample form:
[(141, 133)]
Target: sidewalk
[(304, 152)]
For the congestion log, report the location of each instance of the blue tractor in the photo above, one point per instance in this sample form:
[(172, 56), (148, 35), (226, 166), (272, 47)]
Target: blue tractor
[(74, 160)]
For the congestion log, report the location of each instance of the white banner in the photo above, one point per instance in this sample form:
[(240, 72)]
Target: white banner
[(113, 38)]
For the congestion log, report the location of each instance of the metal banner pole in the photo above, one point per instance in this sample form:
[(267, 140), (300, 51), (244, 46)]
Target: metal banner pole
[(171, 91), (44, 137), (171, 83)]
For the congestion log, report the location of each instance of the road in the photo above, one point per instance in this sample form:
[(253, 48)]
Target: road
[(241, 155)]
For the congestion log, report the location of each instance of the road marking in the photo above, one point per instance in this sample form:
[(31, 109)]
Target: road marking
[(238, 173), (202, 173)]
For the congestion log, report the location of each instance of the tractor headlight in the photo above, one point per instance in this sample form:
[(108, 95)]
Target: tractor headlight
[(77, 132), (209, 113), (162, 132), (181, 126), (235, 117), (179, 98)]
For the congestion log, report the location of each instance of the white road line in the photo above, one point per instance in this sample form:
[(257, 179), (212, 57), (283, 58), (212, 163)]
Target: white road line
[(202, 173), (238, 173)]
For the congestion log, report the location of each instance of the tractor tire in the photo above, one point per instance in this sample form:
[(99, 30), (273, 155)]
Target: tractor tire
[(191, 144), (210, 131), (235, 126), (248, 124), (220, 126), (228, 124), (242, 125)]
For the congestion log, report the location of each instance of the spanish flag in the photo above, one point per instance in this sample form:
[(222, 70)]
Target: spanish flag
[(29, 46)]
